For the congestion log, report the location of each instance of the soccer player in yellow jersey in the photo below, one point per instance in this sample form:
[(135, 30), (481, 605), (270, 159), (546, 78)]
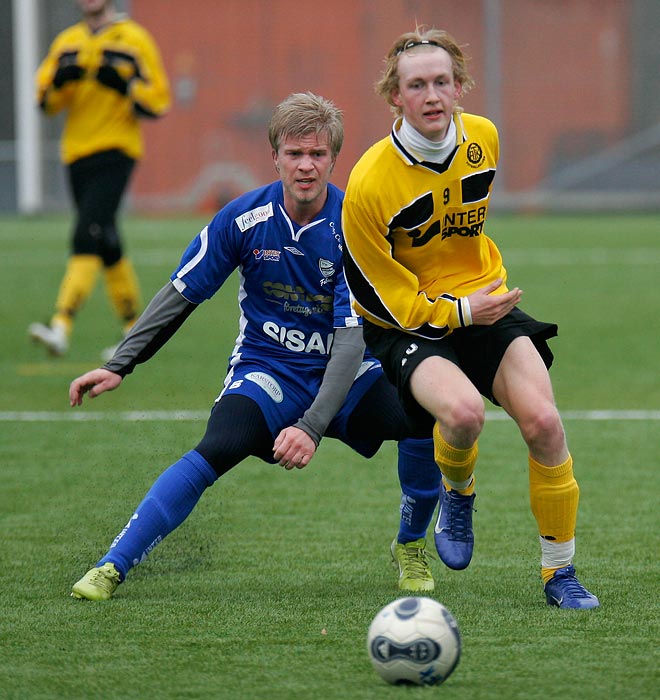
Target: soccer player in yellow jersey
[(438, 313), (106, 73)]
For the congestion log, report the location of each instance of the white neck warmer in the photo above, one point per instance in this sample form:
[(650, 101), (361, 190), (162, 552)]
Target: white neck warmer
[(432, 151)]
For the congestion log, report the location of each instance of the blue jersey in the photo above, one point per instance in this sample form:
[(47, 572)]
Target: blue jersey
[(292, 296), (292, 290)]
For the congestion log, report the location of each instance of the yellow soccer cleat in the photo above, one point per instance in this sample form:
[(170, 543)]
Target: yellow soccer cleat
[(414, 571), (98, 583)]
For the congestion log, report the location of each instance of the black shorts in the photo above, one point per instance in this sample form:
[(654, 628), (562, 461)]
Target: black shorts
[(98, 183), (477, 350)]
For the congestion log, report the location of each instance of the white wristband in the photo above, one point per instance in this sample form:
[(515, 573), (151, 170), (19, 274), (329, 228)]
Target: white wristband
[(467, 312)]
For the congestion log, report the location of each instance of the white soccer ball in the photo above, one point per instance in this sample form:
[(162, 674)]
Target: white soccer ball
[(414, 640)]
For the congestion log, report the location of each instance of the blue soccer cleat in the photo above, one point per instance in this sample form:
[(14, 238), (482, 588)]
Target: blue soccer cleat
[(454, 538), (565, 591)]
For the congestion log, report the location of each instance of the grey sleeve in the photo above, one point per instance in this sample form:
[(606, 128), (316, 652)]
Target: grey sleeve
[(345, 359), (160, 320)]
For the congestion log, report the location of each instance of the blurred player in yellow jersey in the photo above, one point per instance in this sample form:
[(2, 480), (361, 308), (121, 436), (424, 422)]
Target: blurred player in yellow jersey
[(106, 73), (432, 289)]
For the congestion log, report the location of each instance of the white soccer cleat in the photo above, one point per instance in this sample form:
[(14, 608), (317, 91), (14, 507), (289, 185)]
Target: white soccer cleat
[(53, 338), (108, 353)]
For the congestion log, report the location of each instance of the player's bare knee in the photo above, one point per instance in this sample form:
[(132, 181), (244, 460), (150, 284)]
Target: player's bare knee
[(543, 429), (465, 419)]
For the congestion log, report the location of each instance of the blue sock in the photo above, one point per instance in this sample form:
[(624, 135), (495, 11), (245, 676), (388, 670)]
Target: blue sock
[(419, 477), (166, 505)]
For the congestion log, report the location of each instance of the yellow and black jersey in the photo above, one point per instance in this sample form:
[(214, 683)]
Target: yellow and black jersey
[(100, 118), (414, 231)]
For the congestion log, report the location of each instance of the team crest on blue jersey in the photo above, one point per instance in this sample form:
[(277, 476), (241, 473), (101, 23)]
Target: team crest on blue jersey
[(327, 269), (263, 254)]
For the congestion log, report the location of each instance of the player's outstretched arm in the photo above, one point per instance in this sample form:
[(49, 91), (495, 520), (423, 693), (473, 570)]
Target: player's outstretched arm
[(93, 383)]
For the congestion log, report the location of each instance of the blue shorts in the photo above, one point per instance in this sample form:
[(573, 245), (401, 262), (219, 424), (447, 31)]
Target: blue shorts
[(283, 396)]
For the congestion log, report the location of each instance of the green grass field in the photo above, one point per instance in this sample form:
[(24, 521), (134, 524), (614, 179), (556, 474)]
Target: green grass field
[(267, 590)]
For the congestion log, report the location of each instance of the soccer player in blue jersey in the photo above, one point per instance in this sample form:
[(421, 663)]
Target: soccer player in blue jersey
[(298, 370)]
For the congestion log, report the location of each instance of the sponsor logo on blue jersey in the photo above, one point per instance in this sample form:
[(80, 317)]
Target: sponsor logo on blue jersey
[(296, 340), (254, 216), (268, 255), (322, 303)]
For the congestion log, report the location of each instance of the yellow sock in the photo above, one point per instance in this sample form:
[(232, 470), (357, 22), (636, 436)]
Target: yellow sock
[(554, 496), (456, 465), (123, 290), (76, 286)]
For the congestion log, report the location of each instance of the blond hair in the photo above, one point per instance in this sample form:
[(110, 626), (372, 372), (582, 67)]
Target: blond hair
[(304, 113), (422, 37)]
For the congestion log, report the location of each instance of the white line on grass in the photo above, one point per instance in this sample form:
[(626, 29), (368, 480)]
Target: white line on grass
[(132, 416), (570, 257)]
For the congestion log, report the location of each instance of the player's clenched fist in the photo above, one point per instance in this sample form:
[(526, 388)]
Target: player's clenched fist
[(93, 383)]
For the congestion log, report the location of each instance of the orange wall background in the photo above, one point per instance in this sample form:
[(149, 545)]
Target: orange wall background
[(564, 76)]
